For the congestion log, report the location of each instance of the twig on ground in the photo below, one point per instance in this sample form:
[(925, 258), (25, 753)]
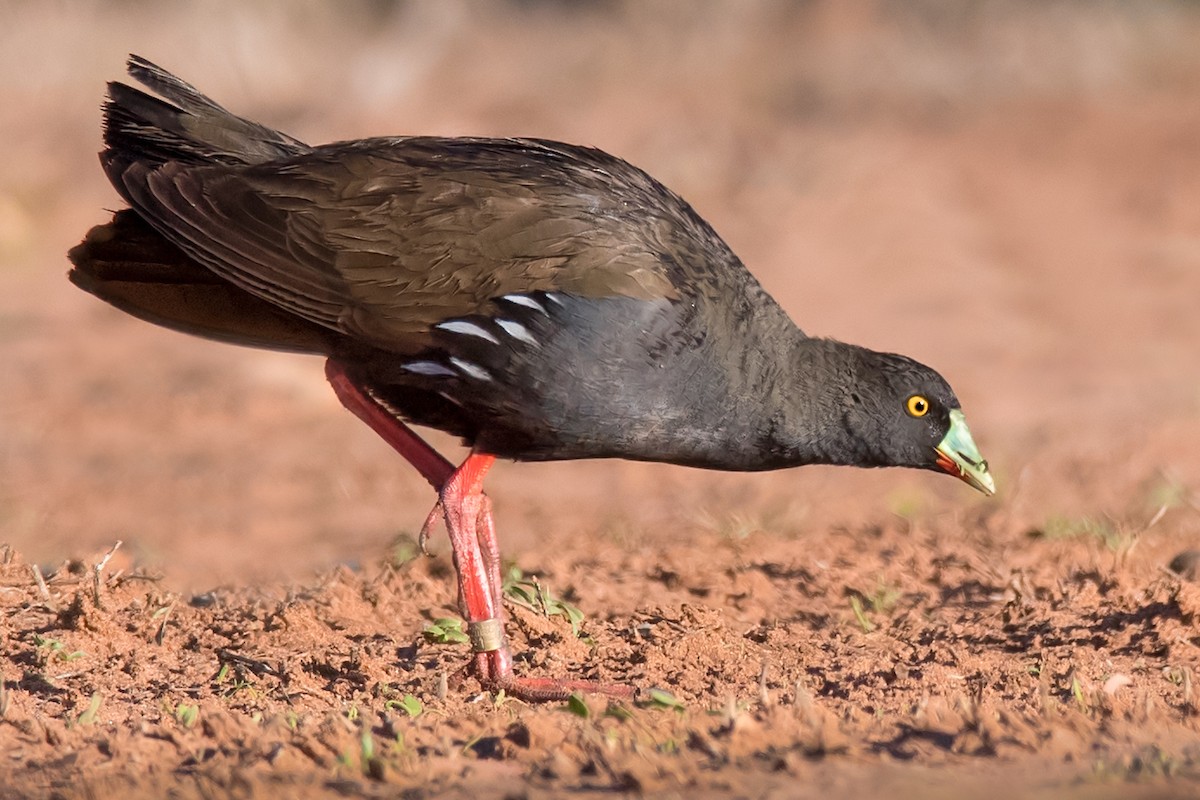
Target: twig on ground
[(255, 665), (162, 625), (764, 697), (43, 590), (99, 569)]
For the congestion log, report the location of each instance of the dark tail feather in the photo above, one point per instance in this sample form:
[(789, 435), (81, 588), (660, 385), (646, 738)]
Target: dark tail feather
[(127, 264), (184, 126)]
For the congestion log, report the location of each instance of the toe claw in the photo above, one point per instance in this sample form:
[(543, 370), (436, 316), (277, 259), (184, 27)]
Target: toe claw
[(431, 520)]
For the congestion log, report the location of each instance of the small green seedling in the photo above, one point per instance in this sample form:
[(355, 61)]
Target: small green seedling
[(1168, 493), (88, 717), (857, 607), (529, 593), (408, 704), (54, 650), (369, 763), (1077, 693), (404, 550), (578, 707), (367, 748), (187, 714), (1101, 530), (665, 700), (474, 740), (618, 711), (884, 598), (446, 630)]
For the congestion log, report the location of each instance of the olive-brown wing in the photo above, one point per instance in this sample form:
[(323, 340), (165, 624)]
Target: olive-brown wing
[(381, 244)]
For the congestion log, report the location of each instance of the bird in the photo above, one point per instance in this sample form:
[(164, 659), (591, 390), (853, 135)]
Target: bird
[(541, 301)]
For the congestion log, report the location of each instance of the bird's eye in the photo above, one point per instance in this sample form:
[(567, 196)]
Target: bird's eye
[(918, 406)]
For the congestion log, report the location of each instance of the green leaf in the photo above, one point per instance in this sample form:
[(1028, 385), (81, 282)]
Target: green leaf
[(618, 711), (411, 706), (574, 615), (531, 594), (446, 630), (368, 746), (513, 575), (187, 714), (662, 699), (1077, 692), (577, 707), (88, 716), (519, 594), (857, 607)]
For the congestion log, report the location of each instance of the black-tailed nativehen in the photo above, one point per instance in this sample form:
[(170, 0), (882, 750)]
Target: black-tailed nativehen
[(541, 300)]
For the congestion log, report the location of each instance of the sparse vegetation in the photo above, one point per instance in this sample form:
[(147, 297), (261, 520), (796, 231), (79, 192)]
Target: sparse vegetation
[(1008, 190), (856, 607), (1103, 531), (659, 698), (408, 704), (54, 650), (187, 714), (89, 714), (531, 594), (446, 630)]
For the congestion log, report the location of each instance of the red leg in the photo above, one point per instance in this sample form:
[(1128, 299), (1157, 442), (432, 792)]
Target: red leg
[(491, 549), (462, 502), (468, 514), (429, 462)]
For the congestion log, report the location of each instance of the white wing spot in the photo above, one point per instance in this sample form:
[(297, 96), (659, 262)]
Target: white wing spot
[(467, 328), (524, 300), (470, 370), (517, 331), (430, 368), (555, 298)]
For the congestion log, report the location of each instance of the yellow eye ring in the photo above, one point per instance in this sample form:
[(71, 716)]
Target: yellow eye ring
[(917, 406)]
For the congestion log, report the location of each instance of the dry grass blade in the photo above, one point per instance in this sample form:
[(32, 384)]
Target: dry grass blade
[(43, 589), (98, 571)]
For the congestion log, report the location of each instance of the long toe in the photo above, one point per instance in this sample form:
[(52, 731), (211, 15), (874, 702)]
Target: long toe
[(545, 690)]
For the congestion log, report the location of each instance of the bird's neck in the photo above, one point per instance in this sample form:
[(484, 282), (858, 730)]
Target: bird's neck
[(812, 402)]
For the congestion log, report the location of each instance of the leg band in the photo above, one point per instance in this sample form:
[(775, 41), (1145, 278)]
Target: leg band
[(486, 635)]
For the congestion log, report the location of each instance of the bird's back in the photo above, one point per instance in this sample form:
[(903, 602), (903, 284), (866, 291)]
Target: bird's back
[(524, 293)]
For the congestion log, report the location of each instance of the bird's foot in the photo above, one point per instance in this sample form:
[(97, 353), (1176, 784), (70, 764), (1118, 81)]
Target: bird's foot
[(494, 670)]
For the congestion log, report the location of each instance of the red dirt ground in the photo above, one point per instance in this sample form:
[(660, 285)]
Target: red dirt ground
[(1010, 193)]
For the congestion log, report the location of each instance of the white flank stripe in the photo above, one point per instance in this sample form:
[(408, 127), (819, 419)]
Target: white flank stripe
[(517, 331), (468, 328), (470, 370), (524, 300), (430, 368)]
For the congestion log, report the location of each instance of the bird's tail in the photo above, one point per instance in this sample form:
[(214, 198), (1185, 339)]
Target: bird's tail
[(183, 125), (128, 264)]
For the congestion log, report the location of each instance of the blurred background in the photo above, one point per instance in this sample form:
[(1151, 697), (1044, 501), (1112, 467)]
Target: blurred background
[(1007, 191)]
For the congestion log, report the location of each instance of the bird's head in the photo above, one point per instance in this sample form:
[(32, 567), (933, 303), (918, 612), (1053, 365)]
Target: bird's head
[(911, 417)]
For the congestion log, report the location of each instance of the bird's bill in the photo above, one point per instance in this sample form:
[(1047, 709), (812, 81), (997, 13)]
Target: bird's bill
[(958, 455)]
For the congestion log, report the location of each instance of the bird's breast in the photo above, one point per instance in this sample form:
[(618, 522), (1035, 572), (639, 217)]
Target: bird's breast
[(553, 375)]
